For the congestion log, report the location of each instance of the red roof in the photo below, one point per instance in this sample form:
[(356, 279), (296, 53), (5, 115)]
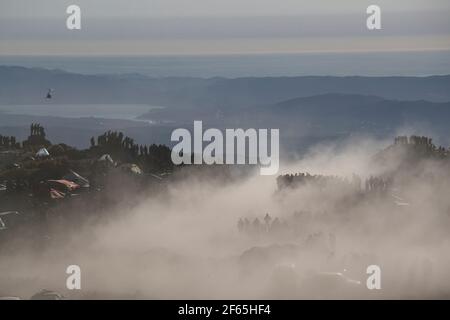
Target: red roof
[(64, 184)]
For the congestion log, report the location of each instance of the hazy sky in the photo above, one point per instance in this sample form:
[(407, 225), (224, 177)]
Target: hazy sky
[(221, 26)]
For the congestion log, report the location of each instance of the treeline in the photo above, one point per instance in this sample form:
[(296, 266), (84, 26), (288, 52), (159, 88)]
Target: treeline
[(421, 142), (124, 149), (35, 139), (318, 180), (9, 142)]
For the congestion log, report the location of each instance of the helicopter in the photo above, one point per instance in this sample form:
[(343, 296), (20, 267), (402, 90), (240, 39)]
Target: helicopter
[(49, 94)]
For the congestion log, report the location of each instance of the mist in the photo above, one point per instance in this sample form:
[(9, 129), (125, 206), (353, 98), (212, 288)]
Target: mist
[(184, 242)]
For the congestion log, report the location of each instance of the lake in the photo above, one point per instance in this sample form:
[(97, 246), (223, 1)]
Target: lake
[(115, 111)]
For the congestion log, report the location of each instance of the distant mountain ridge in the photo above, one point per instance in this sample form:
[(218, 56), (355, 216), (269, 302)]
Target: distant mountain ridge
[(329, 98), (20, 85), (354, 102)]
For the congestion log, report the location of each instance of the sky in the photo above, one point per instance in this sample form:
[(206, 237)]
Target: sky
[(145, 27)]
